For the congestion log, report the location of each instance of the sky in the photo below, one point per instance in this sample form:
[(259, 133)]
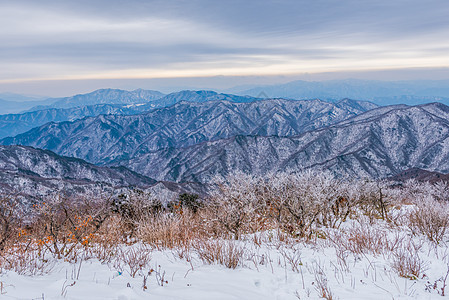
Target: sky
[(57, 48)]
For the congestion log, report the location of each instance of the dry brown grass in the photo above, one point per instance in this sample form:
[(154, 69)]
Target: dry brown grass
[(166, 231), (223, 252), (430, 218), (407, 261), (300, 207), (321, 285), (133, 260), (361, 239)]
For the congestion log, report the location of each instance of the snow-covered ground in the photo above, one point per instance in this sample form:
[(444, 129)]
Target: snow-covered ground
[(269, 269), (372, 251)]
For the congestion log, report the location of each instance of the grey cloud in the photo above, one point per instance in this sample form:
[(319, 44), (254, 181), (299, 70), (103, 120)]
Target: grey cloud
[(275, 17), (225, 31)]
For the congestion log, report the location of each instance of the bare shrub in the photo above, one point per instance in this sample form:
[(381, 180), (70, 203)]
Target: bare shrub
[(61, 224), (430, 218), (226, 253), (26, 259), (406, 261), (133, 259), (292, 257), (10, 219), (166, 231), (362, 238), (321, 284), (439, 285), (111, 232), (105, 243)]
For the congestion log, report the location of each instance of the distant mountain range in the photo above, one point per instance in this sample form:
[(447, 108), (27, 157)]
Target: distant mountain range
[(152, 99), (14, 103), (199, 97), (21, 98), (103, 96), (19, 104), (184, 139), (193, 142), (7, 106), (379, 92), (107, 139), (122, 102), (13, 124), (372, 145)]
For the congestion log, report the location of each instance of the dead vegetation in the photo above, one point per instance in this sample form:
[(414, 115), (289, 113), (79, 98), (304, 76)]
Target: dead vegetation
[(279, 210)]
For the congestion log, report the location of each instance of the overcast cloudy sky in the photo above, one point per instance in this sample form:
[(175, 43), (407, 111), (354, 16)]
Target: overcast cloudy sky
[(49, 47)]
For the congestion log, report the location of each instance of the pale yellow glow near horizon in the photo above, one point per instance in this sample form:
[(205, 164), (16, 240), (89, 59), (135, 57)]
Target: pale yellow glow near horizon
[(295, 67)]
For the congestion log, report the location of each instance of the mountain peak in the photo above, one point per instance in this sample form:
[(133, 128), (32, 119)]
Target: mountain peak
[(104, 96)]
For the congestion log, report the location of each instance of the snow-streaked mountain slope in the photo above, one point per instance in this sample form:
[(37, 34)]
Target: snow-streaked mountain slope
[(110, 138), (14, 124), (34, 172), (368, 145)]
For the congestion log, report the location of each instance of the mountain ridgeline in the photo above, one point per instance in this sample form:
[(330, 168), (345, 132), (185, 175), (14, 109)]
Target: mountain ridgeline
[(112, 139), (33, 174), (192, 136), (412, 92), (31, 171), (103, 96), (102, 102), (374, 147)]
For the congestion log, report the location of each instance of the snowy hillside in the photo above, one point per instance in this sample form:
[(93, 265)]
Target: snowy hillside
[(109, 138), (353, 240)]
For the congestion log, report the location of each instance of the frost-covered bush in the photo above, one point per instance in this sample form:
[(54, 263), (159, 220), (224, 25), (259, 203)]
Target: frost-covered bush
[(297, 202), (284, 207), (373, 198), (234, 203), (310, 200), (428, 214)]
